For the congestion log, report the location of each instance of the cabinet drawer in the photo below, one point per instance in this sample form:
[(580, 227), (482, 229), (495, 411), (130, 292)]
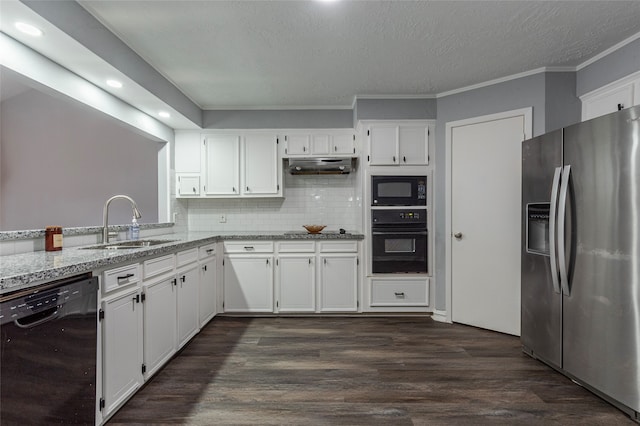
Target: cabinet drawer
[(248, 247), (207, 251), (186, 256), (296, 247), (158, 265), (338, 246), (121, 277), (400, 292)]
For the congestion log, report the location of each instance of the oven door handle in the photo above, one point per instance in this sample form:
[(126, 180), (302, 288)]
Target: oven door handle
[(396, 232)]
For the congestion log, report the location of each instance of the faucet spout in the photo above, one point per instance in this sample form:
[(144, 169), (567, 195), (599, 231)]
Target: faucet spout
[(105, 215)]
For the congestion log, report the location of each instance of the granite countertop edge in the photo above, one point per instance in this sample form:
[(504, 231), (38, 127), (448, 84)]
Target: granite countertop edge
[(20, 271)]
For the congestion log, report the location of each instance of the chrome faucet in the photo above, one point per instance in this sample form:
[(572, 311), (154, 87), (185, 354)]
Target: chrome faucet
[(105, 215)]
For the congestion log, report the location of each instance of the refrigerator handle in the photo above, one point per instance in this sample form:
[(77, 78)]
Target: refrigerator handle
[(562, 209), (553, 259)]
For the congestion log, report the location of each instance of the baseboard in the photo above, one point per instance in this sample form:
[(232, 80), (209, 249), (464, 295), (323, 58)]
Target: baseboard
[(440, 316)]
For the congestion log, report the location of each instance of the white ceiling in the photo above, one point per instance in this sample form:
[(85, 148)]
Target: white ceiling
[(279, 54)]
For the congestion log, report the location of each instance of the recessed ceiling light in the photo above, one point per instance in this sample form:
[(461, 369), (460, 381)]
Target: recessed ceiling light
[(114, 83), (164, 114), (29, 29)]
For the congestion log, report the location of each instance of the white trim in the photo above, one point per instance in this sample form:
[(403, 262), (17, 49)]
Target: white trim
[(614, 84), (440, 316), (275, 107), (608, 51), (416, 96), (505, 79), (528, 128)]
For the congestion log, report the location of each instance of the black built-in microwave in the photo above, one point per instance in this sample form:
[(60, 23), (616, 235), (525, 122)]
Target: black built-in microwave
[(398, 190)]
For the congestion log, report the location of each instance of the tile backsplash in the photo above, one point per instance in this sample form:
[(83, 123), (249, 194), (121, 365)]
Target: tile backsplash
[(331, 200)]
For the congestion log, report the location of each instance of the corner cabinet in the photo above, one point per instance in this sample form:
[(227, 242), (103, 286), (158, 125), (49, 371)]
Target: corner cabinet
[(398, 143)]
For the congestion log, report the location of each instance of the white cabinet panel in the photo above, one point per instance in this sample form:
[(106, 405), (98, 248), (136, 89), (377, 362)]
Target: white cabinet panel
[(399, 292), (187, 152), (608, 101), (413, 142), (399, 143), (383, 144), (338, 283), (188, 185), (160, 323), (260, 165), (248, 283), (296, 283), (187, 305), (207, 297), (222, 159), (122, 348), (343, 144), (297, 144)]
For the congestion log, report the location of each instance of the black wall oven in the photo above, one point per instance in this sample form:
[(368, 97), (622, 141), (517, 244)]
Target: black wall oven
[(398, 190), (399, 241)]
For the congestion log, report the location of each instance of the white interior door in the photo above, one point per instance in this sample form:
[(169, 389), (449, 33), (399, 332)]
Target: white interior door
[(485, 221)]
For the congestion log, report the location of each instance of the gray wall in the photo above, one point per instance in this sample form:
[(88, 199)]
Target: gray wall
[(395, 109), (61, 161), (612, 67), (278, 119), (562, 106)]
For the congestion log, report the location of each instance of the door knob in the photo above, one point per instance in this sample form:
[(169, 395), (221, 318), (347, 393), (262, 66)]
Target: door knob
[(458, 235)]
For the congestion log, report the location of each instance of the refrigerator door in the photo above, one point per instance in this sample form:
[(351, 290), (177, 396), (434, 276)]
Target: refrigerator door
[(541, 311), (601, 324)]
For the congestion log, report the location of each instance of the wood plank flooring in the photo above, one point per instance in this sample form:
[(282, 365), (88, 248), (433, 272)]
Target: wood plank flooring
[(359, 371)]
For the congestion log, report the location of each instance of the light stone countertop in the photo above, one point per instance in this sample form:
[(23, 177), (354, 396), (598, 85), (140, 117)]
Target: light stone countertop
[(24, 270)]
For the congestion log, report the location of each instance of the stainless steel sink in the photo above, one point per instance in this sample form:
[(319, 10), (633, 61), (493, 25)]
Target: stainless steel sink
[(128, 244)]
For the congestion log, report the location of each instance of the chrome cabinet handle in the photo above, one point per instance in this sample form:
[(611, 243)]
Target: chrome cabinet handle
[(399, 294), (458, 235), (249, 248), (125, 277)]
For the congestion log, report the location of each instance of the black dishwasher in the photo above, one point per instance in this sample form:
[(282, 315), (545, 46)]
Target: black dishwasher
[(48, 353)]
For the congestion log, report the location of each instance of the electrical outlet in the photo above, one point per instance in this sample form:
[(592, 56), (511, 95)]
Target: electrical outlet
[(223, 218)]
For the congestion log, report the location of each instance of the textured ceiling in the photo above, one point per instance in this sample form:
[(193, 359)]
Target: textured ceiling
[(279, 54)]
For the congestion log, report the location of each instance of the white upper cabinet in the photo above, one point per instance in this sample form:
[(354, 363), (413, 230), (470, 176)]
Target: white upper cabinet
[(187, 152), (401, 143), (621, 94), (320, 143), (222, 165), (261, 168)]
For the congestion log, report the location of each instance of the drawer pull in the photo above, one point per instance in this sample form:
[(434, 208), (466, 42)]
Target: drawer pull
[(399, 294), (209, 251), (125, 277), (249, 248)]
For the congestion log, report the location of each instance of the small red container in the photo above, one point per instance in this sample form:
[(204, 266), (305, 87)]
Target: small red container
[(53, 238)]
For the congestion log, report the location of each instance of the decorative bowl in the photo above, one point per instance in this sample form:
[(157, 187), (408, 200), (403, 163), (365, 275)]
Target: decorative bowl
[(314, 229)]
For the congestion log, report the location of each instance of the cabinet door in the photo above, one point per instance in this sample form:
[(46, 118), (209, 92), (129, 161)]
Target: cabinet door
[(607, 102), (188, 185), (248, 283), (383, 145), (187, 305), (296, 283), (343, 144), (339, 283), (260, 165), (187, 152), (122, 348), (207, 297), (222, 157), (297, 144), (413, 144), (159, 324), (321, 145)]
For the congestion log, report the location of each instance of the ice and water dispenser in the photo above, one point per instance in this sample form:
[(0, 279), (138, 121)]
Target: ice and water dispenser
[(538, 228)]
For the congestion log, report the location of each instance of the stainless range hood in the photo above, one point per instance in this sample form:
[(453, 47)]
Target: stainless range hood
[(320, 166)]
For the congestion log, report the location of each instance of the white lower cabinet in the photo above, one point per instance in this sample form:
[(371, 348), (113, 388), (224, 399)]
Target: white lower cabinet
[(122, 356), (187, 304), (296, 283), (338, 282), (398, 292), (160, 323), (208, 293), (248, 283)]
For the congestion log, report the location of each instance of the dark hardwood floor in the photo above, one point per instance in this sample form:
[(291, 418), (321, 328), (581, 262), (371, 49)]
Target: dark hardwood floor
[(359, 371)]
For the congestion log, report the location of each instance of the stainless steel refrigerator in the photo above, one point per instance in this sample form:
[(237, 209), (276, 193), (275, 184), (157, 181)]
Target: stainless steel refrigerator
[(581, 254)]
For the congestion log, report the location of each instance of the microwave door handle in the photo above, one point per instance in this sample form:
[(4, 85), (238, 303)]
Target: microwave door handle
[(553, 260), (562, 254)]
